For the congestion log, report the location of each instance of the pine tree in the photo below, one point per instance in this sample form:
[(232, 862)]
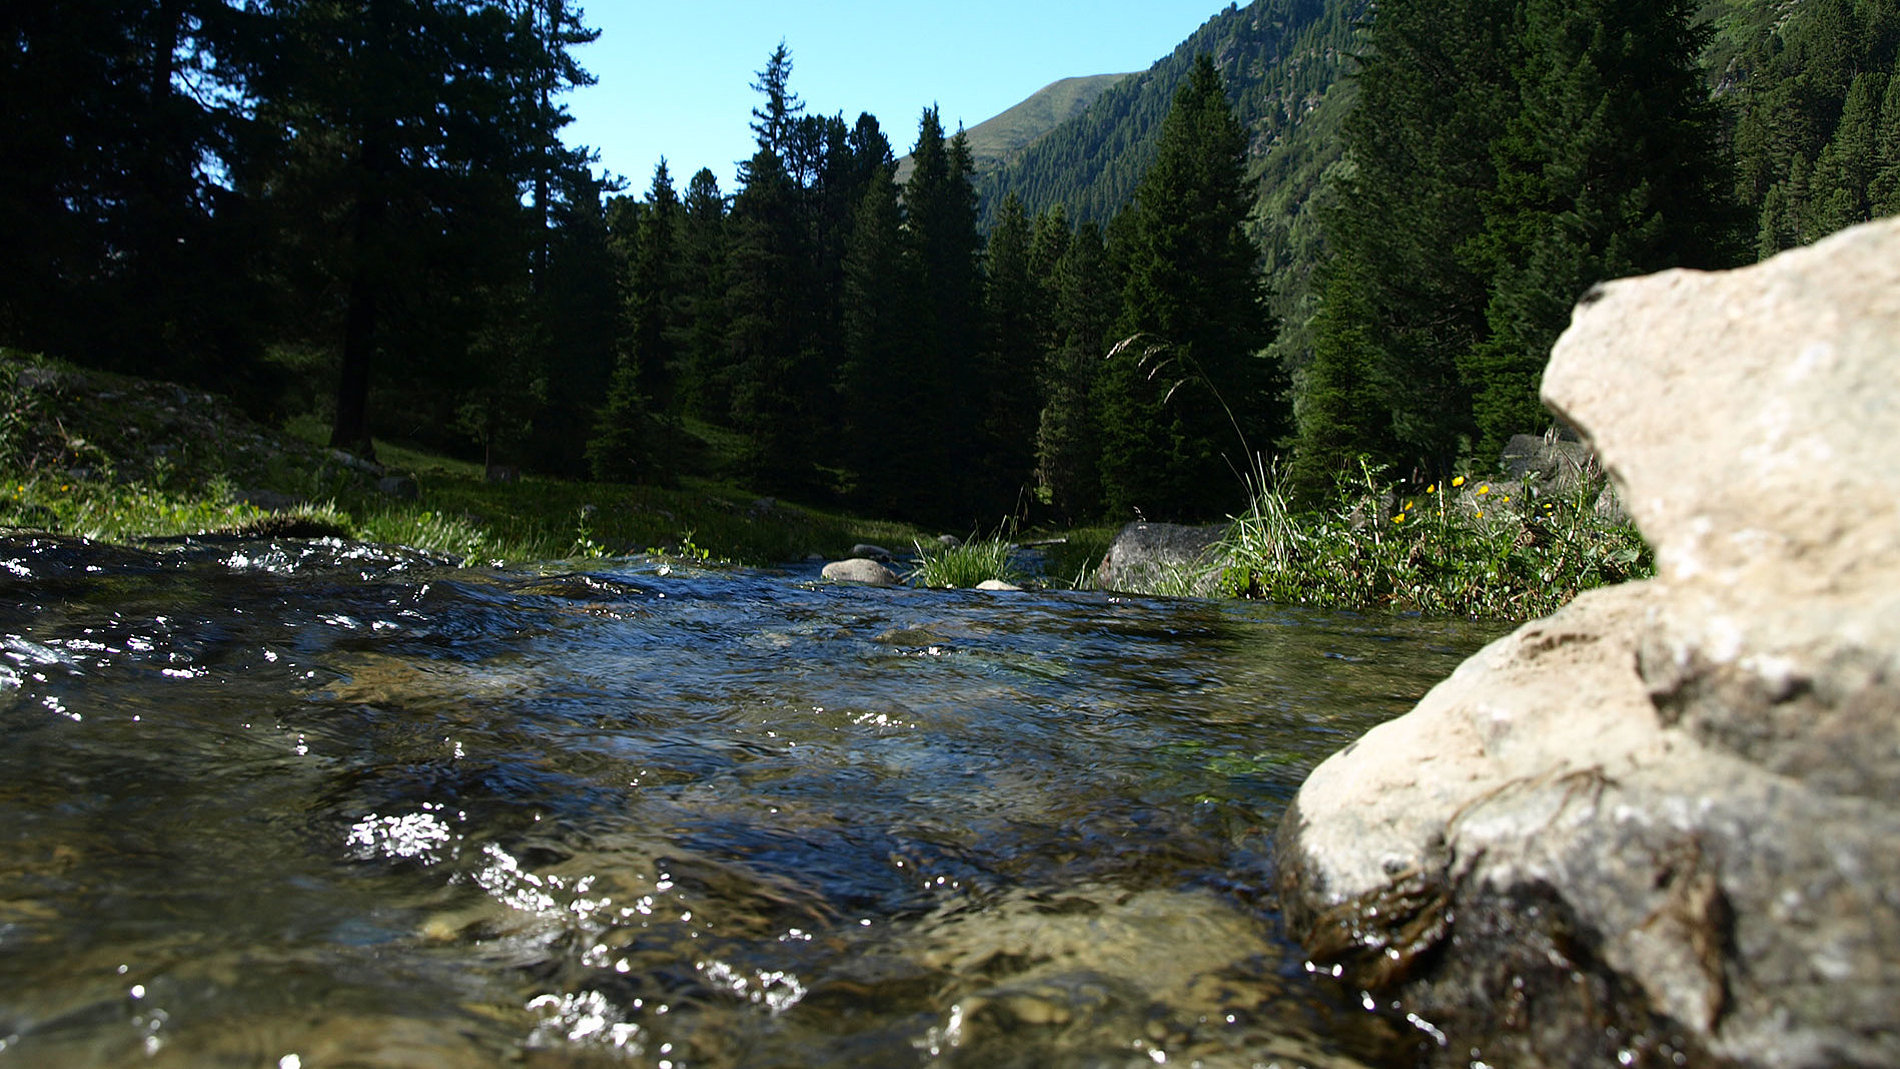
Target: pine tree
[(705, 381), (1883, 189), (1403, 300), (775, 123), (1846, 168), (1608, 167), (655, 295), (1068, 435), (768, 302), (581, 303), (1008, 372), (875, 388), (1190, 398), (630, 442), (942, 250)]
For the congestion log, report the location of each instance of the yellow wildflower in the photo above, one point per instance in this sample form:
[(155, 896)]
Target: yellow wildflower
[(1406, 509), (1400, 518), (1432, 489), (1459, 481), (1485, 489)]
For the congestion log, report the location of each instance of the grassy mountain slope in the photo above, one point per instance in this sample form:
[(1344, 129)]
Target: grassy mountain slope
[(1277, 69), (997, 140)]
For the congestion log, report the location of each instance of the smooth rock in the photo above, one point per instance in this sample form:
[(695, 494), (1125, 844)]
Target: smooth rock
[(997, 584), (1147, 555), (1669, 814), (859, 570)]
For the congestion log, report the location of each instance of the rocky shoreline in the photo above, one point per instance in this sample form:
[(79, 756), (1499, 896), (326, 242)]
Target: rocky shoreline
[(1661, 827)]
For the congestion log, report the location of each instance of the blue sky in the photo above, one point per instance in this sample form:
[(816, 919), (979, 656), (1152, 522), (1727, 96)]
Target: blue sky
[(675, 78)]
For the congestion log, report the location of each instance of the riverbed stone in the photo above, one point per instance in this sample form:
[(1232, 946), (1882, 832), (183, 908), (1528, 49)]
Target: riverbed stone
[(998, 585), (1666, 819), (859, 570)]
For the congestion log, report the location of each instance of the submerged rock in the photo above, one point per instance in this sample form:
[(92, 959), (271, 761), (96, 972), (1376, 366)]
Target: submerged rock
[(859, 570), (1665, 820)]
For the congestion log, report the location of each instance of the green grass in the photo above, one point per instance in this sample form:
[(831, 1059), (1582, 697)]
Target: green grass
[(120, 459), (1470, 547), (965, 566)]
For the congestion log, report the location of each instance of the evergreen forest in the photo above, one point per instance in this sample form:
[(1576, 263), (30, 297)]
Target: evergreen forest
[(1314, 231)]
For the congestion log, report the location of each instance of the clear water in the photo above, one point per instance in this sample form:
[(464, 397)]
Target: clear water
[(315, 804)]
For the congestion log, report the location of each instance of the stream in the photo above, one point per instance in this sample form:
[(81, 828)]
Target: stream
[(301, 804)]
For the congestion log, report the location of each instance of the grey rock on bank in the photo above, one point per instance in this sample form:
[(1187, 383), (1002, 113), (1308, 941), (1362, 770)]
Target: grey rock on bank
[(1147, 556), (859, 570), (1665, 820)]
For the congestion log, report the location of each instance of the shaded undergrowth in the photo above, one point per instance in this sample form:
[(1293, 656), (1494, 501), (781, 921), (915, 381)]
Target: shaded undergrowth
[(119, 459)]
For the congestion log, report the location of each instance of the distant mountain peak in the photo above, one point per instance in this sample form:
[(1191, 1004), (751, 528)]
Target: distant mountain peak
[(997, 140)]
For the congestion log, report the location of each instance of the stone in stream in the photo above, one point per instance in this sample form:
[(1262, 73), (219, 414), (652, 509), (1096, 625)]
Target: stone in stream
[(859, 570), (1666, 819)]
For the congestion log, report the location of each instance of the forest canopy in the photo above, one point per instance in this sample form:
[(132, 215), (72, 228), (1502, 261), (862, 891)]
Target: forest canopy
[(1352, 237)]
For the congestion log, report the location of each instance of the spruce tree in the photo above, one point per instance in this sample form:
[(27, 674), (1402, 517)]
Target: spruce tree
[(654, 295), (1190, 397), (1608, 167), (1084, 304), (768, 304), (1008, 371), (705, 386), (876, 402), (943, 254), (1403, 299)]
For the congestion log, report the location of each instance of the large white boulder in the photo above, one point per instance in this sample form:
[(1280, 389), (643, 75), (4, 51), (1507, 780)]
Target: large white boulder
[(1666, 820)]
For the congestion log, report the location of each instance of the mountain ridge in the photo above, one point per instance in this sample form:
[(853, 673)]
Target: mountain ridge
[(1001, 137)]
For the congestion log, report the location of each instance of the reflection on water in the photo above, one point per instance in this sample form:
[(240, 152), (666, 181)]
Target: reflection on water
[(308, 804)]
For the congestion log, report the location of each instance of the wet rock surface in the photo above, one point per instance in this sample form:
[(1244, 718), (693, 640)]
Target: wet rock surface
[(1659, 827), (859, 570)]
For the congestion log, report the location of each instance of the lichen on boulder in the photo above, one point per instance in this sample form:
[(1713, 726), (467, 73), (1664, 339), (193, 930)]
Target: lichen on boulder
[(1662, 826)]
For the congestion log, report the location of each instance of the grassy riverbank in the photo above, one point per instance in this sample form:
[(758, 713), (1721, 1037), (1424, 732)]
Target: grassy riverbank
[(1468, 546), (121, 459)]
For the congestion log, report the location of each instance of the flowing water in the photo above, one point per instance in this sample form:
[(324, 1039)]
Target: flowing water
[(302, 804)]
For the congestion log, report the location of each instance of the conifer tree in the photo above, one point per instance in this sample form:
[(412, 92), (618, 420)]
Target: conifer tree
[(705, 383), (1608, 167), (654, 295), (1068, 435), (775, 122), (768, 304), (942, 249), (1190, 397), (874, 386), (1008, 371), (1402, 301)]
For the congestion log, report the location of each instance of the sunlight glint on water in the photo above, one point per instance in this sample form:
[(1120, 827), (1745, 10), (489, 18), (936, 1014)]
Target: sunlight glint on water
[(316, 804)]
